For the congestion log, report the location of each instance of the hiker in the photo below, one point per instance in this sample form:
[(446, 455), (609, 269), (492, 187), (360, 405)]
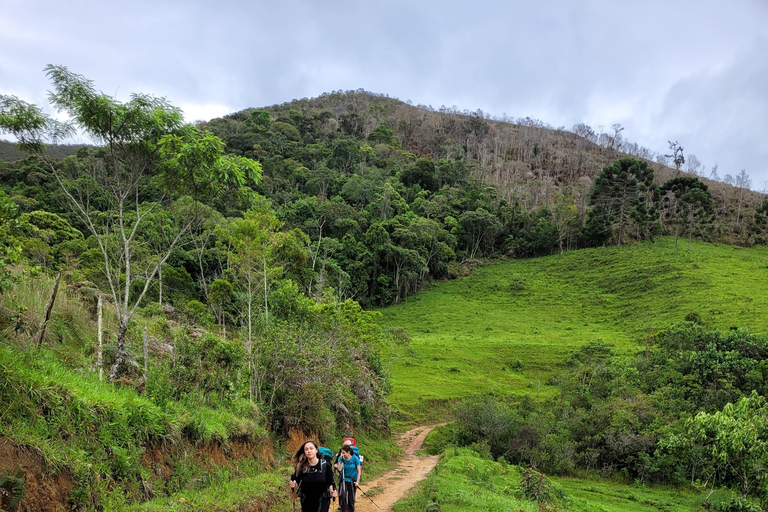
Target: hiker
[(326, 454), (312, 479), (350, 470), (350, 441)]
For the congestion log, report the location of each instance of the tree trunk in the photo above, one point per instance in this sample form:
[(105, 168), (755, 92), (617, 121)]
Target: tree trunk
[(123, 359), (99, 362), (48, 311), (146, 356)]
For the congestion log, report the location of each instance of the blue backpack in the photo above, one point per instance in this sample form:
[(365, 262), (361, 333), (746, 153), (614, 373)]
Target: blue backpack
[(325, 453)]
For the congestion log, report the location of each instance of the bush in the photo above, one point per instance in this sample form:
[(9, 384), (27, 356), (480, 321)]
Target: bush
[(535, 487), (198, 313)]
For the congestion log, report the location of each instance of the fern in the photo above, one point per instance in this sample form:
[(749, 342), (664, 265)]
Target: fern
[(11, 489)]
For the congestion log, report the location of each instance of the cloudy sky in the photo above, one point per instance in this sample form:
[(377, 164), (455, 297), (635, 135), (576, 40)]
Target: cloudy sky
[(693, 71)]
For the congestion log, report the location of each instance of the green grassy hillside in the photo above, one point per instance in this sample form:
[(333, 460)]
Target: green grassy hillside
[(508, 326), (466, 480)]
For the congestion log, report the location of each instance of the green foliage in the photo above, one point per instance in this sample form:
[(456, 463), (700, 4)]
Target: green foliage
[(227, 495), (624, 192), (625, 416), (329, 359), (466, 479), (195, 164), (535, 487), (381, 134), (52, 228), (343, 211), (12, 484), (687, 203), (198, 313), (736, 439), (538, 240), (10, 250), (220, 298), (421, 173), (97, 431)]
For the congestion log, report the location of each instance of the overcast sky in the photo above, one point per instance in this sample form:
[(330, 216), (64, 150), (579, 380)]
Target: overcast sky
[(693, 71)]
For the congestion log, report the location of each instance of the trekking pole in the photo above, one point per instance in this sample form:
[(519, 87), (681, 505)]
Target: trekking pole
[(364, 494), (333, 470), (293, 495)]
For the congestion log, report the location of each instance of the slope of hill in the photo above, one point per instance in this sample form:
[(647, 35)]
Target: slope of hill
[(527, 159), (506, 328), (9, 152)]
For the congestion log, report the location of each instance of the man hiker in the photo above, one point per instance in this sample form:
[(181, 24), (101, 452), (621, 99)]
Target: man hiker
[(350, 470)]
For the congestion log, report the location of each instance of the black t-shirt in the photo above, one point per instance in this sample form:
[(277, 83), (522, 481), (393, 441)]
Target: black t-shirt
[(316, 480)]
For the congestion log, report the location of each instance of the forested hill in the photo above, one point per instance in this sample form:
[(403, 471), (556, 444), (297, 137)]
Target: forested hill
[(412, 191), (9, 151), (393, 195)]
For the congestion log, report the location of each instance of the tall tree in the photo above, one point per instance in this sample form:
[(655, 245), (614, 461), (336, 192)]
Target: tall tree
[(736, 440), (622, 192), (677, 157), (681, 208), (146, 160), (743, 183)]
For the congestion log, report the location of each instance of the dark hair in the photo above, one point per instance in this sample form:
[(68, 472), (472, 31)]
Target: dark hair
[(346, 448), (300, 462)]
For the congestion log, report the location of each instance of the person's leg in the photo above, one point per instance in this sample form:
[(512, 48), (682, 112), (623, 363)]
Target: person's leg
[(310, 504), (352, 497), (346, 505)]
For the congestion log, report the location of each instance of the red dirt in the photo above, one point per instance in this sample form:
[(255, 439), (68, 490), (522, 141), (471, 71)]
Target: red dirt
[(395, 485), (43, 492)]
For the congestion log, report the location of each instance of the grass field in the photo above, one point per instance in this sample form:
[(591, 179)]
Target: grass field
[(466, 481), (508, 326)]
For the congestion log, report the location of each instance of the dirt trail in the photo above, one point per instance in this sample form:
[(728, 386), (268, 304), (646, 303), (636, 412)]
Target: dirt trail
[(389, 488)]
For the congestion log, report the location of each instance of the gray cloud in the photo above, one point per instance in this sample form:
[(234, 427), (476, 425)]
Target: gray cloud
[(685, 70)]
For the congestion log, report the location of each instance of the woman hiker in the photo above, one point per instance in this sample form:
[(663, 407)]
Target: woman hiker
[(312, 479), (349, 467)]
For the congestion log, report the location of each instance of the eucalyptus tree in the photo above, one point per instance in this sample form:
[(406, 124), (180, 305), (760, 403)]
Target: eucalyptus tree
[(677, 156), (146, 159), (742, 183)]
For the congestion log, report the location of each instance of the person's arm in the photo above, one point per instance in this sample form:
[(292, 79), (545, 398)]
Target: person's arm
[(329, 478), (295, 480), (359, 472)]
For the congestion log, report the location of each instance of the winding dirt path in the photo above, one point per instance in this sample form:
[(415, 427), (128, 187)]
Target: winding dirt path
[(390, 487)]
